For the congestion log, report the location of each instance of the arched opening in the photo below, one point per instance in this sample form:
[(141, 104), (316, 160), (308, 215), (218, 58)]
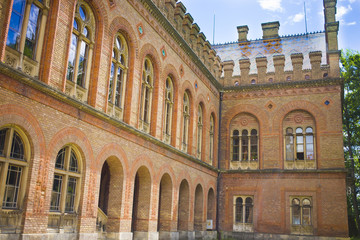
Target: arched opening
[(211, 210), (165, 200), (141, 202), (110, 196), (198, 209), (183, 206)]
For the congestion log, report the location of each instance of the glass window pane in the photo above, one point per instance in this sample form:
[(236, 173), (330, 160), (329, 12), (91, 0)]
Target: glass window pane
[(15, 22), (86, 32), (82, 64), (60, 159), (309, 130), (239, 210), (299, 130), (73, 166), (2, 141), (56, 193), (31, 33), (306, 215), (119, 81), (70, 195), (72, 57), (82, 12), (111, 82), (296, 212), (289, 142), (12, 187), (18, 6), (76, 25), (118, 43), (17, 147)]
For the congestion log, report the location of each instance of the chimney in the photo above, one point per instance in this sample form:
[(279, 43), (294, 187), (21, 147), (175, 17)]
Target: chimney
[(270, 30), (243, 32)]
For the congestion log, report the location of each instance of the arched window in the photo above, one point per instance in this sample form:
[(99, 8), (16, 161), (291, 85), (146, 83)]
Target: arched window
[(253, 81), (186, 120), (199, 131), (235, 145), (244, 210), (146, 94), (26, 34), (118, 76), (169, 101), (248, 150), (301, 211), (211, 140), (80, 52), (299, 140), (66, 184), (14, 156)]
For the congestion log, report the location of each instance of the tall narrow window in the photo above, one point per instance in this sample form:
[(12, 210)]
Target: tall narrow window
[(244, 146), (169, 92), (13, 163), (118, 75), (235, 145), (80, 51), (199, 131), (248, 210), (26, 33), (309, 138), (301, 211), (239, 210), (64, 196), (146, 94), (253, 145), (299, 144), (211, 140), (289, 144), (186, 119)]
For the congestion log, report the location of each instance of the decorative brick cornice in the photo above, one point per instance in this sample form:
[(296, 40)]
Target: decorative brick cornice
[(285, 85)]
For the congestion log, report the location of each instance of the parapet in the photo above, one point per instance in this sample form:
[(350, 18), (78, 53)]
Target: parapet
[(183, 22)]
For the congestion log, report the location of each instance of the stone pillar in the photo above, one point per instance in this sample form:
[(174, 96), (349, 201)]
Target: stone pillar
[(195, 29), (187, 24), (270, 30), (244, 70), (228, 67), (180, 11), (279, 64), (261, 64), (315, 60), (212, 56), (297, 63), (243, 32)]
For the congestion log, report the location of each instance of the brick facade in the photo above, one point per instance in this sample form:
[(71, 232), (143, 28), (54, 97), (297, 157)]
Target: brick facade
[(129, 183)]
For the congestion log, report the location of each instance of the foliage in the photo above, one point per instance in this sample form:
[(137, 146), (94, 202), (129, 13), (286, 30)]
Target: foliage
[(350, 72)]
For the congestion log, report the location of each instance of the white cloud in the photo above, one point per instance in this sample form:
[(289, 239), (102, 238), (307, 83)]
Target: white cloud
[(352, 1), (298, 17), (351, 23), (342, 11), (272, 5)]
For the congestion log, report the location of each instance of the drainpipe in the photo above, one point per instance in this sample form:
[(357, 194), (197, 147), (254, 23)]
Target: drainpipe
[(219, 173)]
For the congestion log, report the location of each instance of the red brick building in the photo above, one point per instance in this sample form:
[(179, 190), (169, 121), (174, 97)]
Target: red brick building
[(119, 120)]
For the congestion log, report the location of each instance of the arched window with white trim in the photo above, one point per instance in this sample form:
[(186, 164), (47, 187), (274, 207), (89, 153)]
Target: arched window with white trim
[(168, 104), (65, 194), (146, 95), (14, 165), (81, 52), (117, 80), (186, 121), (26, 35)]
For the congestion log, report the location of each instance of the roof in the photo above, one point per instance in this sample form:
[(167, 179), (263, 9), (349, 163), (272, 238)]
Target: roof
[(286, 45)]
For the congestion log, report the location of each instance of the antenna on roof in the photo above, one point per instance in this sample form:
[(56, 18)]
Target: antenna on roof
[(214, 30), (305, 18)]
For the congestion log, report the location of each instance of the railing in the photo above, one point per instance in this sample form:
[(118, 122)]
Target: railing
[(101, 221), (62, 221)]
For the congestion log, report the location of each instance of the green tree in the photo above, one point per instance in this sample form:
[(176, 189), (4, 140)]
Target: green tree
[(350, 72)]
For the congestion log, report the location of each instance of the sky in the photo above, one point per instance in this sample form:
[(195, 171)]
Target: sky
[(290, 13)]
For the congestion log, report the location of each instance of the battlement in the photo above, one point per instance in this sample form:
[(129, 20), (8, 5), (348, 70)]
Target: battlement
[(273, 58), (183, 22)]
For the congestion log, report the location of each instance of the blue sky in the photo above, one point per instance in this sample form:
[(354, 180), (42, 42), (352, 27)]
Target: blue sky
[(290, 13)]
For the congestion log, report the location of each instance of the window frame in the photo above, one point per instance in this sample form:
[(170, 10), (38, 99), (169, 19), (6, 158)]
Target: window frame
[(199, 131), (147, 86), (168, 109), (186, 121), (248, 138), (6, 161), (244, 222), (295, 136), (211, 138), (300, 227), (119, 65)]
